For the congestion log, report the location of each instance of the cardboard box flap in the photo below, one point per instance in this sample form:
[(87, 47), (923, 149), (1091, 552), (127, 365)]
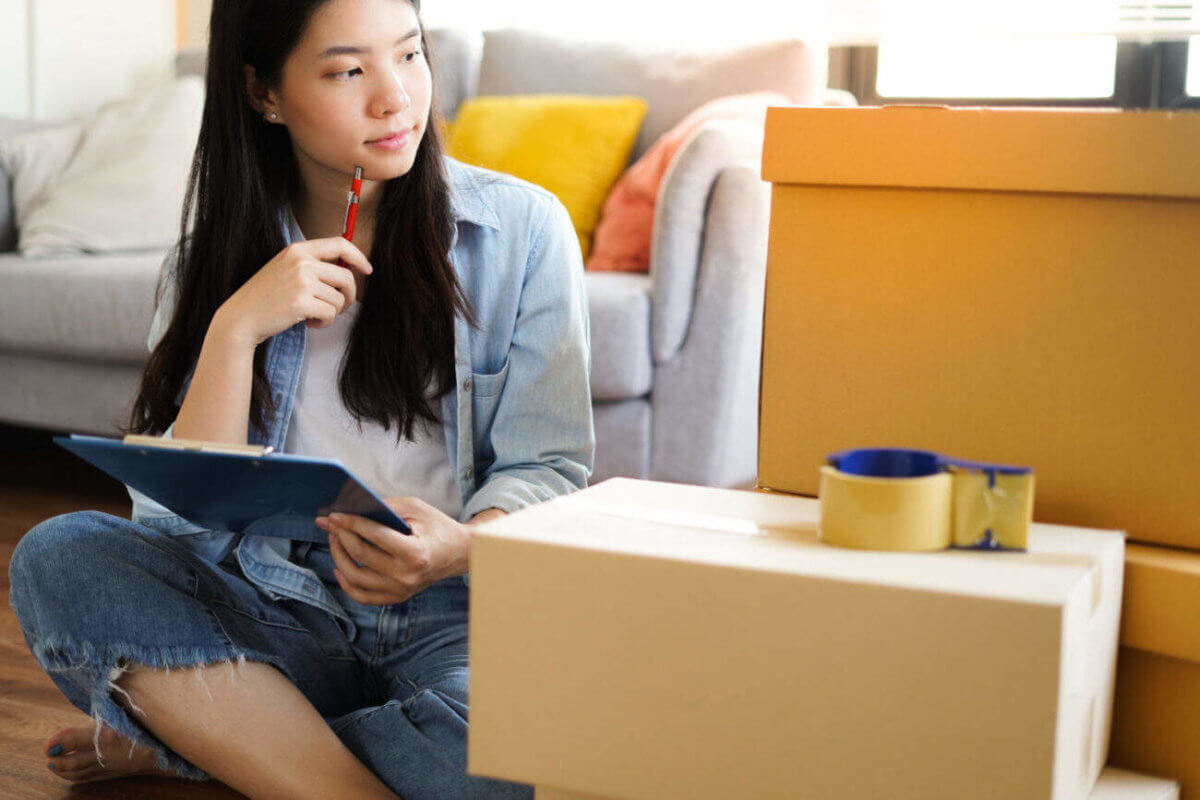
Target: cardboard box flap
[(774, 532), (1162, 601), (1093, 151)]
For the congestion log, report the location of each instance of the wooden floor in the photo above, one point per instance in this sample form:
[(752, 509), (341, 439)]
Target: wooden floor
[(39, 480)]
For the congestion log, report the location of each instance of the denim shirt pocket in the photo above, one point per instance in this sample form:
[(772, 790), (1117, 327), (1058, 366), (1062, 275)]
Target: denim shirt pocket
[(485, 385), (486, 391)]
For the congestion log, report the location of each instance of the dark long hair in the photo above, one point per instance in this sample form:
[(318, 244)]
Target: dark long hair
[(243, 173)]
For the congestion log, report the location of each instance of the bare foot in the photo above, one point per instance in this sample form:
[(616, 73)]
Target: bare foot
[(77, 759)]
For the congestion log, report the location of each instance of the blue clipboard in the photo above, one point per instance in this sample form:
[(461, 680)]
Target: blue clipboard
[(271, 494)]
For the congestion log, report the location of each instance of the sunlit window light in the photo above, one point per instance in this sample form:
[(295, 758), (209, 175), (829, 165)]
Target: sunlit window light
[(1001, 67)]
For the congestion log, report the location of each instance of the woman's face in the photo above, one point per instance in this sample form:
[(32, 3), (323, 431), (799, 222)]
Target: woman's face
[(358, 76)]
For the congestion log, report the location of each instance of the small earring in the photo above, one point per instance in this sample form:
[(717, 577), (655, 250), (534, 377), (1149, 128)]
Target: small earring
[(273, 115)]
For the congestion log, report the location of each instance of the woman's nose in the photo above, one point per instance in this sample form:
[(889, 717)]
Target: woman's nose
[(390, 98)]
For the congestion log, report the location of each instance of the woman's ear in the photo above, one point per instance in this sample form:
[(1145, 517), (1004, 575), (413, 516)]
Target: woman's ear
[(258, 95)]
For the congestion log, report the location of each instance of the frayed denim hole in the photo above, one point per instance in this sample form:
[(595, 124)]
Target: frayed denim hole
[(98, 670)]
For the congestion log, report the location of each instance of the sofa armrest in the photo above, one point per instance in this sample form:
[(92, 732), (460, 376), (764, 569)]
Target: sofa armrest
[(705, 398), (680, 216)]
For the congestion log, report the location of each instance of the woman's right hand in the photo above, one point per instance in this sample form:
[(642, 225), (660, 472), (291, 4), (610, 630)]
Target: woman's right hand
[(299, 283)]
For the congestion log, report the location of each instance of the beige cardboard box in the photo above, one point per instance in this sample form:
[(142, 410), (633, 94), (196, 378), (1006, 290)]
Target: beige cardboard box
[(651, 640), (1010, 285), (1114, 784), (1156, 716)]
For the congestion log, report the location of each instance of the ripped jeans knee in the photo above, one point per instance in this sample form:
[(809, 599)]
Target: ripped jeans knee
[(97, 596), (90, 678)]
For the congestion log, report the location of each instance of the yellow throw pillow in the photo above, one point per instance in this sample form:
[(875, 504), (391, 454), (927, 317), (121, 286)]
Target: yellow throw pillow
[(575, 146)]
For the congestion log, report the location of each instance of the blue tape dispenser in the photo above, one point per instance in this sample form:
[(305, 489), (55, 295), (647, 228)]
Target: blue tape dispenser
[(901, 499)]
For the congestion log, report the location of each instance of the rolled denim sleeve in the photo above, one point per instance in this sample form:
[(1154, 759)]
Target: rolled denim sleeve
[(543, 435)]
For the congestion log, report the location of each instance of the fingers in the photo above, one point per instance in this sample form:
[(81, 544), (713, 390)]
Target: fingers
[(408, 505), (382, 537), (334, 247), (338, 277), (358, 548), (329, 294), (365, 577), (319, 312)]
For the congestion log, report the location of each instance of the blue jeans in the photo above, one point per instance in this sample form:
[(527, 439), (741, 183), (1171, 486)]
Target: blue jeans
[(96, 594)]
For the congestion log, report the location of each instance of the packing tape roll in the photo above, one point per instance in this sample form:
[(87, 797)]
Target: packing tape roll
[(871, 513)]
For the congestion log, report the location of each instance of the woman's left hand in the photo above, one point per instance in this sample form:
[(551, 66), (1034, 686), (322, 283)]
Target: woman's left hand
[(377, 565)]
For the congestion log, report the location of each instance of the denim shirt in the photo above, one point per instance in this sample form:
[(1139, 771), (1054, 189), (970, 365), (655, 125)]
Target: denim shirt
[(518, 423)]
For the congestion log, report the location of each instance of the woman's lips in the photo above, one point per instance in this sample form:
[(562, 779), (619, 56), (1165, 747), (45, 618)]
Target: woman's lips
[(394, 142)]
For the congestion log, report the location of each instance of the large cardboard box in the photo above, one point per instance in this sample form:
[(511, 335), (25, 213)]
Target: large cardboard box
[(1008, 285), (652, 640), (1114, 784), (1156, 718)]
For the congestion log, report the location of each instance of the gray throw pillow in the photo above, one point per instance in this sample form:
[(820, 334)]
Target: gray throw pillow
[(13, 126)]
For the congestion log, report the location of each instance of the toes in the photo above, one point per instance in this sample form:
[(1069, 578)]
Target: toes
[(71, 739), (80, 776), (74, 762), (57, 744)]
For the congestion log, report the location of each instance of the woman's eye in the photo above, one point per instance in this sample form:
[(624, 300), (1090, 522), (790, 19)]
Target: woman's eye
[(409, 58)]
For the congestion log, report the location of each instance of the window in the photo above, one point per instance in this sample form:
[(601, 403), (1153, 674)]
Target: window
[(1045, 67)]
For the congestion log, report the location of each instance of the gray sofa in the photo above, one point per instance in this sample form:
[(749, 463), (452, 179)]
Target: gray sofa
[(675, 352)]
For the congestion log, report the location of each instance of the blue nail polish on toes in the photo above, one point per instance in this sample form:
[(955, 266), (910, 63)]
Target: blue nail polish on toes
[(51, 766), (56, 750)]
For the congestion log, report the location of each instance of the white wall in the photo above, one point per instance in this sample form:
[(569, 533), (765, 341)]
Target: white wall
[(83, 53), (14, 59)]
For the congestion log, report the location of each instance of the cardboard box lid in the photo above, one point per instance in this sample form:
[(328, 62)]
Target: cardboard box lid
[(1161, 612), (1087, 151), (775, 532)]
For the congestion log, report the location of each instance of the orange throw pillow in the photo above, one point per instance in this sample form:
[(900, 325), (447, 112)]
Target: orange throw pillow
[(622, 238)]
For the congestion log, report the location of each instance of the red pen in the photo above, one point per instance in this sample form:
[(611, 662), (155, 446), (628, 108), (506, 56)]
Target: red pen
[(351, 210)]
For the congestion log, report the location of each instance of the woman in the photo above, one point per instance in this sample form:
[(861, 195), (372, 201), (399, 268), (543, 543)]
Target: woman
[(281, 668)]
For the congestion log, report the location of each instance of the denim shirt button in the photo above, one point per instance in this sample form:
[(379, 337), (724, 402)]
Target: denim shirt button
[(467, 385), (467, 473)]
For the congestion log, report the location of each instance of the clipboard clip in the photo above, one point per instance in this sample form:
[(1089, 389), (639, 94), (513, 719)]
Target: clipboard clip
[(198, 445)]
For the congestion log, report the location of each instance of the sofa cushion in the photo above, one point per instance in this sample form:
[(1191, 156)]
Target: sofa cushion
[(100, 306), (623, 234), (123, 188), (619, 316), (35, 161), (572, 145), (673, 82), (11, 127), (95, 306)]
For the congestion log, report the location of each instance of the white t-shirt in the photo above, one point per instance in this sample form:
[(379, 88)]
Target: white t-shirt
[(321, 426)]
